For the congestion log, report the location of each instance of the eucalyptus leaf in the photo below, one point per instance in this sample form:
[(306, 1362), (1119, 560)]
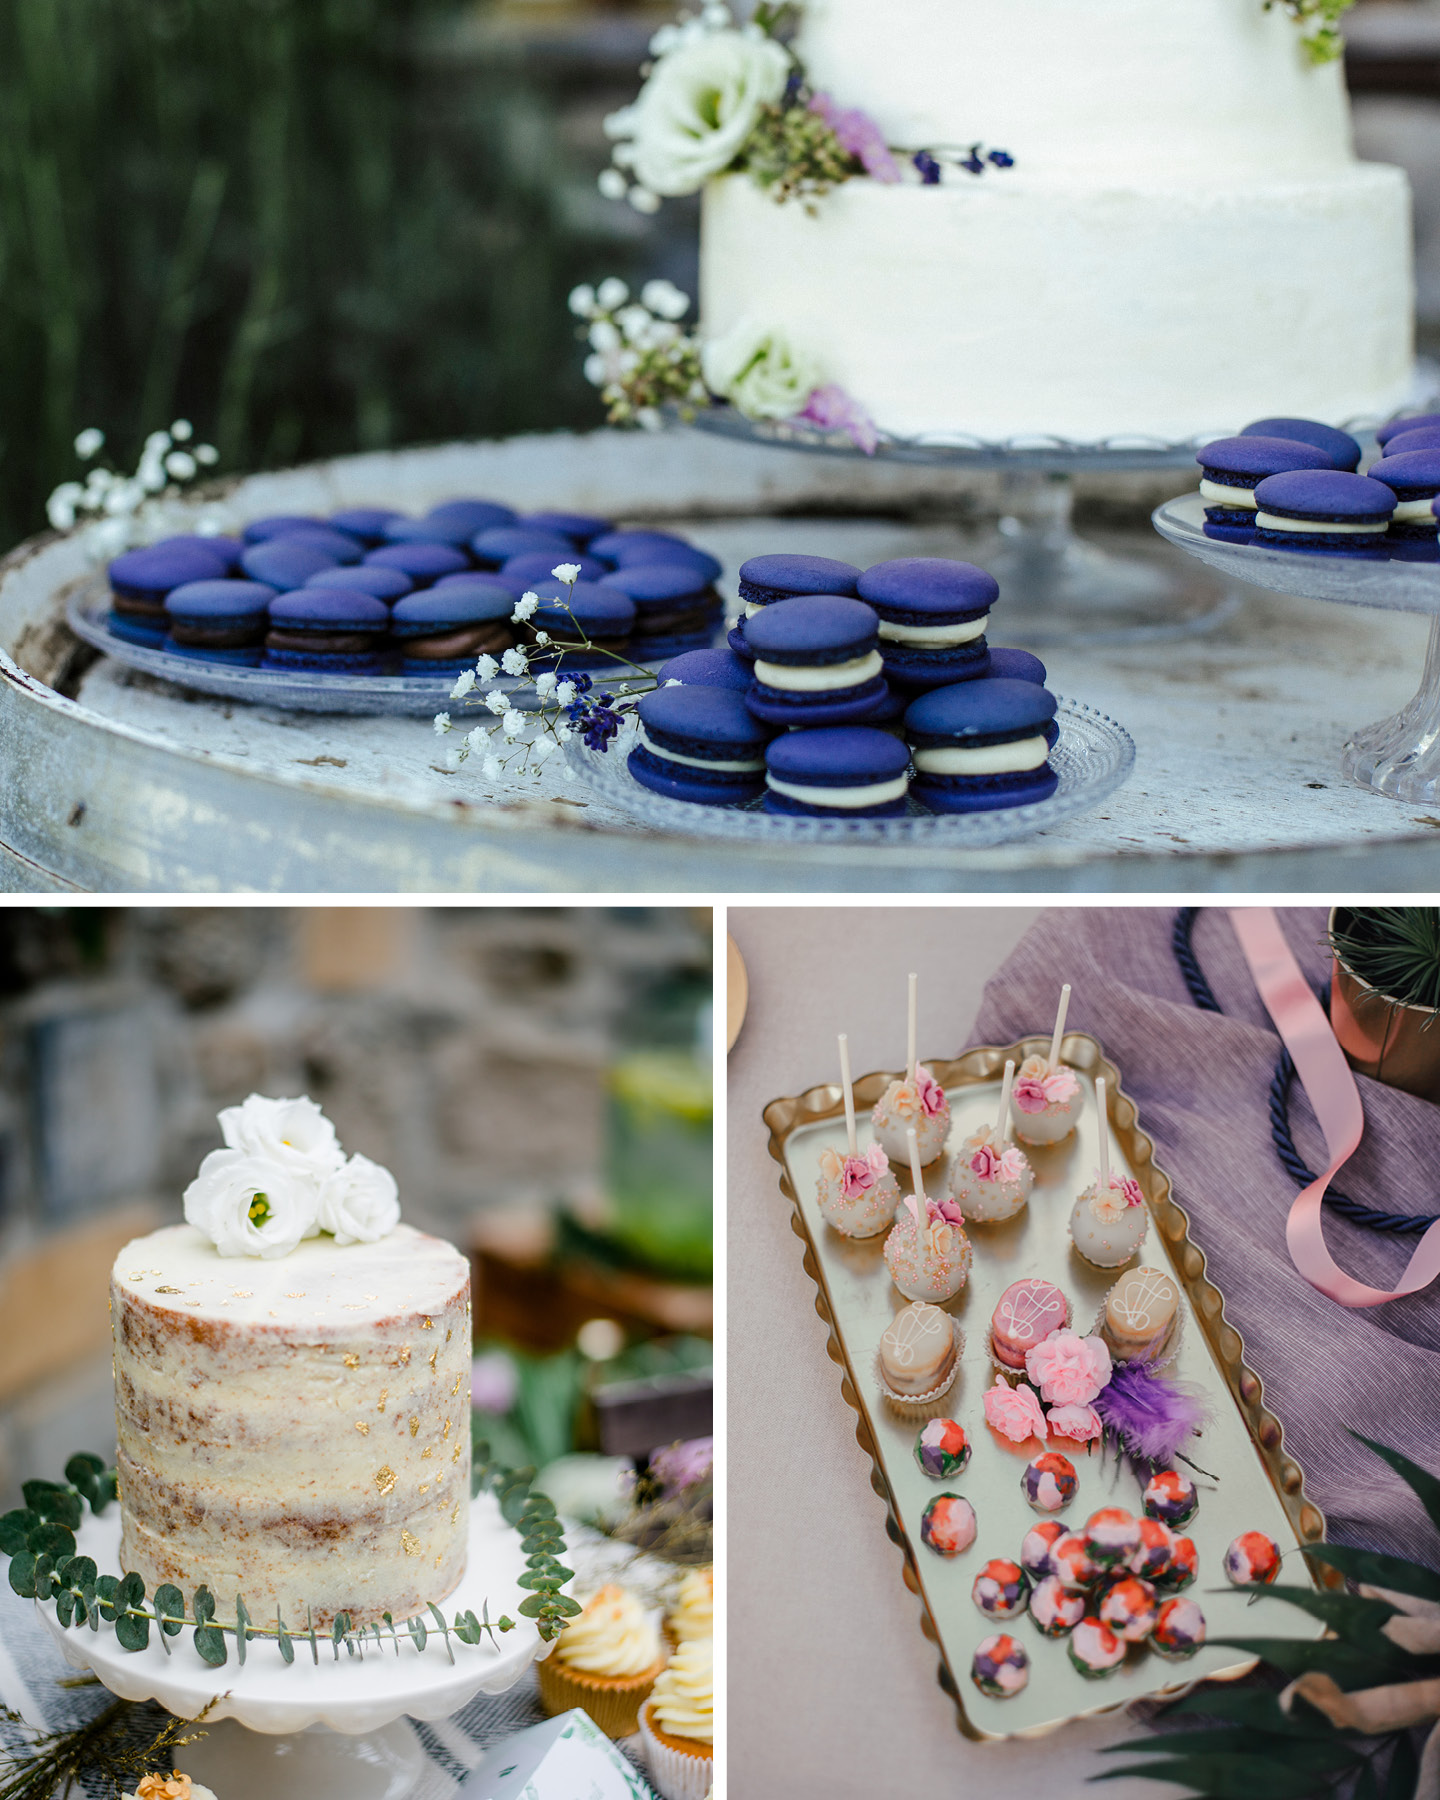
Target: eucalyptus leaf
[(287, 1649), (84, 1465), (53, 1502), (44, 1575), (204, 1605), (416, 1628), (106, 1587), (170, 1609), (78, 1572), (65, 1606), (15, 1529), (131, 1591), (210, 1642), (58, 1540), (132, 1630), (22, 1574)]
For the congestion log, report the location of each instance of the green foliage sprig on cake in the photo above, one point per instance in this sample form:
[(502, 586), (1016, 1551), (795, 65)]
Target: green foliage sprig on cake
[(1343, 1722), (39, 1539), (1319, 21)]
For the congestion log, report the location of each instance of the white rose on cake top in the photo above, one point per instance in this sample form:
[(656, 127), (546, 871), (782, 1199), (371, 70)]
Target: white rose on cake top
[(293, 1133), (250, 1206), (359, 1202)]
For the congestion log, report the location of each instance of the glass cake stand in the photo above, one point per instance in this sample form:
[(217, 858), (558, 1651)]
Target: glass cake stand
[(1398, 756), (326, 1730), (1057, 587)]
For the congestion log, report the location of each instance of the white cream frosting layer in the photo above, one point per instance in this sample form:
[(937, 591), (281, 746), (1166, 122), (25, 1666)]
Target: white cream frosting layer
[(819, 679), (876, 794), (700, 762), (1410, 510), (1227, 496), (933, 637), (985, 759), (1273, 522)]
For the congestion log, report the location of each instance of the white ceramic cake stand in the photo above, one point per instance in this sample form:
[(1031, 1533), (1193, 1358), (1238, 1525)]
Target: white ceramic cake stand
[(326, 1730), (1056, 587), (1398, 756)]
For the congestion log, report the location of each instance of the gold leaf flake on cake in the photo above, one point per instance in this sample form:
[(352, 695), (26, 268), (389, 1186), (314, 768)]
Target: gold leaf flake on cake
[(352, 1361), (456, 1456), (380, 1403), (429, 1450), (455, 1516), (297, 1296), (433, 1355), (449, 1335), (414, 1425), (409, 1543), (424, 1487), (427, 1324), (362, 1428), (456, 1389), (404, 1355), (169, 1290), (446, 1432), (437, 1562), (243, 1293), (385, 1479)]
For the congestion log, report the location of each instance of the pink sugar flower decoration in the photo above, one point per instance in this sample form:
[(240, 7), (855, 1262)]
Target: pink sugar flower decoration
[(1068, 1369), (932, 1095), (862, 1172), (1029, 1094), (1082, 1423), (1130, 1188), (985, 1163), (832, 409), (859, 136), (1014, 1412), (948, 1211)]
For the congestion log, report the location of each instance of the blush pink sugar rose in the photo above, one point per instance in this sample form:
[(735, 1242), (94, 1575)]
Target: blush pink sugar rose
[(932, 1095), (1069, 1370), (862, 1172), (1014, 1412), (1081, 1423), (1033, 1093), (1010, 1166)]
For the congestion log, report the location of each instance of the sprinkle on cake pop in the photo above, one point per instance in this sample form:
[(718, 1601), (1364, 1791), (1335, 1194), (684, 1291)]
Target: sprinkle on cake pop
[(1001, 1589), (1046, 1099), (1179, 1628), (1049, 1482), (942, 1449), (1253, 1560), (1036, 1546), (991, 1178), (927, 1251), (1108, 1223), (857, 1194), (917, 1101), (1000, 1667), (1054, 1608), (947, 1525)]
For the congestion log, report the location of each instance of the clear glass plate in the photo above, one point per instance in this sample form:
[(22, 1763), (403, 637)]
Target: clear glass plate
[(1093, 756), (420, 696)]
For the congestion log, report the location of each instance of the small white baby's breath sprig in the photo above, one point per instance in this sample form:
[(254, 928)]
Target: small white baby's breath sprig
[(127, 509), (639, 358), (569, 573), (524, 607), (463, 684)]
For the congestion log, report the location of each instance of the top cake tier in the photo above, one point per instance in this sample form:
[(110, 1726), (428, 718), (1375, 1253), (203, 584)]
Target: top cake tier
[(1130, 89)]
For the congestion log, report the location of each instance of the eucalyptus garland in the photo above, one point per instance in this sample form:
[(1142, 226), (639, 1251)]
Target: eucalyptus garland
[(39, 1539)]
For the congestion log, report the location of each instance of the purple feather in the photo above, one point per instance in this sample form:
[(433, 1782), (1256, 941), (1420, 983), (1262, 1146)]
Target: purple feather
[(1151, 1418)]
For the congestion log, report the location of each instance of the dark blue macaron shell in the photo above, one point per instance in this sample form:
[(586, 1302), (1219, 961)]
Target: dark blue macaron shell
[(467, 516), (1339, 446), (147, 632), (579, 527), (330, 610), (285, 563), (853, 756), (229, 549), (424, 563), (239, 656), (1241, 462), (439, 609), (781, 576), (1424, 437), (260, 531), (812, 631), (339, 545), (1325, 496), (928, 590), (707, 724), (498, 544), (536, 565), (708, 668), (600, 611), (1409, 474), (221, 603), (366, 578), (984, 793), (973, 713), (1016, 665), (150, 574), (364, 522), (1393, 427), (626, 548), (426, 531)]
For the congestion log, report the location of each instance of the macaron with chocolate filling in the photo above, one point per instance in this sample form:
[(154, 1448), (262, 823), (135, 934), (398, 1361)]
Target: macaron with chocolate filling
[(539, 565), (1413, 476), (606, 617), (1392, 428), (495, 547), (837, 771), (333, 631), (817, 662), (365, 578), (1230, 470), (442, 630), (700, 744), (675, 609), (364, 522), (1339, 446), (932, 613), (1324, 510), (626, 548), (580, 528), (707, 668), (219, 621), (981, 745), (141, 579), (782, 576), (424, 563)]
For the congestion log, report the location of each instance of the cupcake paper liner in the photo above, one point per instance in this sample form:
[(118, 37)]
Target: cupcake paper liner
[(612, 1702), (1168, 1350), (924, 1406), (678, 1774)]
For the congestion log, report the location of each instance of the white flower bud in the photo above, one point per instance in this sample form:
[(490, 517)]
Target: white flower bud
[(513, 723), (181, 464), (643, 200), (463, 684), (612, 293), (497, 702), (664, 298), (486, 667), (582, 301), (612, 184), (513, 662), (604, 336), (90, 442), (493, 768), (206, 454), (442, 724), (182, 431)]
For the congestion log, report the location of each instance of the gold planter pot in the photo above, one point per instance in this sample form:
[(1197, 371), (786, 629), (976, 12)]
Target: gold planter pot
[(1396, 1043)]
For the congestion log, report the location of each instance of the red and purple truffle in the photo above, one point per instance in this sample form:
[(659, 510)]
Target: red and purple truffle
[(1171, 1498), (1094, 1648), (1035, 1549), (1129, 1609), (1001, 1589), (942, 1448), (1253, 1560), (1049, 1482), (947, 1525), (1179, 1628), (1054, 1608), (1000, 1667), (1112, 1536)]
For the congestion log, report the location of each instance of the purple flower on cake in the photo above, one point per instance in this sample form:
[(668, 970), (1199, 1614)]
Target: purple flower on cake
[(1013, 1412), (989, 1167), (832, 409), (250, 1205), (1069, 1370), (1081, 1423), (859, 135), (359, 1202), (293, 1133)]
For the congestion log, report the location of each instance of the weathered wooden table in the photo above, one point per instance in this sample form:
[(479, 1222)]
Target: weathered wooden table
[(113, 782)]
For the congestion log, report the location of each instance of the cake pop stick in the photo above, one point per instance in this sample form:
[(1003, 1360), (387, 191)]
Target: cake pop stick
[(919, 1205), (1002, 1124), (1104, 1119), (911, 1055), (1059, 1031), (849, 1090)]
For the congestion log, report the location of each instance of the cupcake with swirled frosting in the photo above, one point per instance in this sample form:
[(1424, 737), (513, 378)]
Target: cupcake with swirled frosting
[(606, 1660), (693, 1614), (677, 1723)]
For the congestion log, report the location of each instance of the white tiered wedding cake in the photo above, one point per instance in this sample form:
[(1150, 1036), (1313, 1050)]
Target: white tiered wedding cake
[(1186, 240)]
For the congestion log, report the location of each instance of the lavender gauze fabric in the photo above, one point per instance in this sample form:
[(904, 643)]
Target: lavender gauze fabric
[(1201, 1083)]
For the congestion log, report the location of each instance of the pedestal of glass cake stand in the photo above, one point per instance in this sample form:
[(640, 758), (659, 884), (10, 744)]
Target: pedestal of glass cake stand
[(1057, 587), (1399, 755)]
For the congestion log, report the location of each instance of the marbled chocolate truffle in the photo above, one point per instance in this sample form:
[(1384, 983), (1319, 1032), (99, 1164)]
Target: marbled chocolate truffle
[(1111, 1535), (1128, 1609), (1179, 1628), (947, 1525), (1253, 1560), (1049, 1482), (1000, 1667), (1171, 1498), (942, 1448), (1001, 1589), (1151, 1556), (1094, 1648), (1055, 1608), (1036, 1546)]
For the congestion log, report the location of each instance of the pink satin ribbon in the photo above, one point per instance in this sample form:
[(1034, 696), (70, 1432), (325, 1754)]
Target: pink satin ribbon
[(1327, 1079)]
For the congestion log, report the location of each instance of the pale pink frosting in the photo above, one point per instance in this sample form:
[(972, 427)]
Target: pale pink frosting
[(1038, 1087), (932, 1095), (856, 1174), (987, 1166), (1014, 1412), (1109, 1206), (1079, 1422), (1069, 1370)]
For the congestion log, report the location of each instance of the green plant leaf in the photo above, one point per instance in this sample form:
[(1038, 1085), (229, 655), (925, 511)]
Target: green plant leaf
[(1229, 1777), (132, 1630), (1425, 1485), (210, 1642), (57, 1540), (22, 1574), (1350, 1667), (78, 1572), (203, 1605), (416, 1628), (1404, 1770), (106, 1587), (53, 1502), (1350, 1617), (243, 1633), (65, 1606), (282, 1638), (170, 1608), (44, 1575), (1375, 1569), (1315, 1754), (15, 1529), (131, 1591)]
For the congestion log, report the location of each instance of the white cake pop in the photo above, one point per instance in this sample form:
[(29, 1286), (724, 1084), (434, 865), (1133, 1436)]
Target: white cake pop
[(916, 1102), (856, 1194), (989, 1177), (1046, 1100), (1109, 1220), (927, 1252)]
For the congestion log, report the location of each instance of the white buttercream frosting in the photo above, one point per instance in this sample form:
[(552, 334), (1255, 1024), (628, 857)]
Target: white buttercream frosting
[(1218, 495), (701, 762), (984, 759), (933, 637), (819, 679), (876, 794), (1326, 527), (1411, 510)]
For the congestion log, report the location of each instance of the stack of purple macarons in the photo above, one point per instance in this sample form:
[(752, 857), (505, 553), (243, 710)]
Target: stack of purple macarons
[(370, 591), (814, 709)]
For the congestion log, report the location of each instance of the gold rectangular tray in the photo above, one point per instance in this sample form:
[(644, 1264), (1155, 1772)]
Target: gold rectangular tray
[(1258, 1485)]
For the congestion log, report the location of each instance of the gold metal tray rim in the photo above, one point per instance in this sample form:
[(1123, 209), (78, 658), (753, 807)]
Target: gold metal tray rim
[(986, 1062)]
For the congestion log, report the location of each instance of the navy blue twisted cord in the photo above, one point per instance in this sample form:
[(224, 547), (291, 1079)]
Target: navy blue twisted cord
[(1200, 992)]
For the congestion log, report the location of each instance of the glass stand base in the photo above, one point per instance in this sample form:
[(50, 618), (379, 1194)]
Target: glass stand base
[(315, 1764), (1400, 756)]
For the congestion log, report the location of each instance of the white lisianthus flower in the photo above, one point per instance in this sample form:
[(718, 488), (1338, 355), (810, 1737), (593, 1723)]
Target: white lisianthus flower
[(758, 368), (293, 1133), (359, 1202), (250, 1205), (566, 572), (692, 117)]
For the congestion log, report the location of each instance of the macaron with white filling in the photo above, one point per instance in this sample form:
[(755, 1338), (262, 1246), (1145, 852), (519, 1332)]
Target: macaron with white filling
[(1413, 476), (981, 745), (817, 662), (840, 771), (701, 744), (782, 576), (707, 668), (932, 612), (1230, 469), (1326, 510), (1339, 446)]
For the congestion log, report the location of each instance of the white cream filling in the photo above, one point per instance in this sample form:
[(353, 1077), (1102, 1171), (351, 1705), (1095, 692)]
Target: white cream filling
[(876, 794), (1304, 527), (699, 762), (932, 637), (985, 759), (751, 609), (1412, 509), (813, 680), (1227, 496)]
